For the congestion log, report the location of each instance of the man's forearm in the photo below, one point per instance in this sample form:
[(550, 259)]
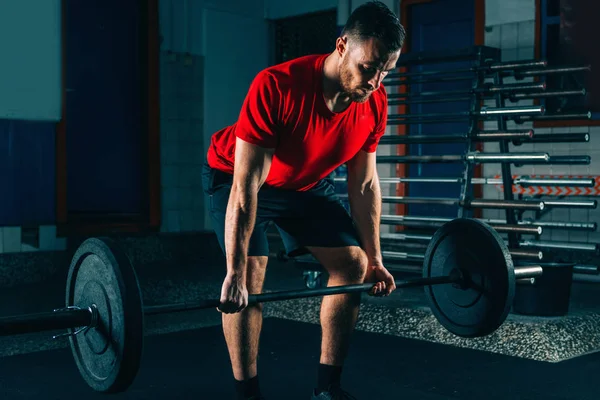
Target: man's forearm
[(365, 205), (239, 223)]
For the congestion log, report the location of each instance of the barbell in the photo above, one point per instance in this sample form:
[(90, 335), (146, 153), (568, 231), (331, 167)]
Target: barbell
[(468, 276)]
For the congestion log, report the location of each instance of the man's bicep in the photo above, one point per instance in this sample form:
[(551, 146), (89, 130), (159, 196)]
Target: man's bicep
[(252, 164)]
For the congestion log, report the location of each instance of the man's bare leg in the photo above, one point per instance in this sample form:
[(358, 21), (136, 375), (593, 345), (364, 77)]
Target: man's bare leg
[(339, 313), (242, 330)]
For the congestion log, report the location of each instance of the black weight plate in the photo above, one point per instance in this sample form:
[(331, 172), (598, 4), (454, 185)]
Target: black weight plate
[(477, 250), (108, 356)]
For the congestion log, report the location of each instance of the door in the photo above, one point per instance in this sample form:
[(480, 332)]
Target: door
[(434, 26), (105, 144)]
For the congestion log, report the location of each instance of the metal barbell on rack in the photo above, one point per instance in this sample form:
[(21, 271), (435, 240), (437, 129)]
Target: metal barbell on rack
[(468, 276), (521, 181), (481, 158)]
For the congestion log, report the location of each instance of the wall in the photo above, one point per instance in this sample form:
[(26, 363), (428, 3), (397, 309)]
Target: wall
[(30, 89), (30, 76), (211, 50), (276, 9)]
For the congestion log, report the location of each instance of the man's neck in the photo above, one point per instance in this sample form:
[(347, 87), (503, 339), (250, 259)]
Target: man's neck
[(335, 98)]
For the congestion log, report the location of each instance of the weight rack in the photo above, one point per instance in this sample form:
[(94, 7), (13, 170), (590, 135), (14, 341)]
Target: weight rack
[(494, 98)]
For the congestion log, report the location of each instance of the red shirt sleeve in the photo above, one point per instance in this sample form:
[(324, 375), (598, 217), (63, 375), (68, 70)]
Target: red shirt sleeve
[(259, 117), (382, 110)]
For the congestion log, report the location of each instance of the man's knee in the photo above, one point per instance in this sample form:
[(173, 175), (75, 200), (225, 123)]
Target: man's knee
[(350, 264), (357, 265)]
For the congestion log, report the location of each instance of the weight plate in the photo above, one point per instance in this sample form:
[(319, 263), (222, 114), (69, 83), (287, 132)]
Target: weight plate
[(108, 355), (481, 254)]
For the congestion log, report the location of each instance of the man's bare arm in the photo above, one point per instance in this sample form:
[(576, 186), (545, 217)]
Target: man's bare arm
[(364, 195), (252, 165)]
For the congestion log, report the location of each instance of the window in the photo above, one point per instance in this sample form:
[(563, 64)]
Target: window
[(566, 29)]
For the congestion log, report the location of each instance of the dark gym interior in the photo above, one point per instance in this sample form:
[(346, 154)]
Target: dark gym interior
[(108, 255)]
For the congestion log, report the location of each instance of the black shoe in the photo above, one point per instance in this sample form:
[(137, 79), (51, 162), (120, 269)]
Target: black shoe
[(333, 393)]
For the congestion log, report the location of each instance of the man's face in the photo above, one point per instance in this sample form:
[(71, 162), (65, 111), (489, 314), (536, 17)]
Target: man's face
[(363, 66)]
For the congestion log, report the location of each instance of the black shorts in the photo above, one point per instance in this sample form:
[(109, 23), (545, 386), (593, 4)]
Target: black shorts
[(311, 218)]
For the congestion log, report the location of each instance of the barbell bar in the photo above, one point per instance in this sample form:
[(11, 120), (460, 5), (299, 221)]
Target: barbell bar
[(498, 223), (518, 137), (521, 181), (512, 65), (468, 276), (477, 157), (531, 205), (506, 89), (472, 157), (554, 138), (552, 117), (484, 136), (557, 93), (436, 223), (552, 71), (484, 111)]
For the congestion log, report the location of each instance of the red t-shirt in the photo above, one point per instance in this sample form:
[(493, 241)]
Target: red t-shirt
[(285, 110)]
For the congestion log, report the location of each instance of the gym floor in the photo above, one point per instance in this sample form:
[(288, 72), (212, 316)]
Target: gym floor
[(399, 350)]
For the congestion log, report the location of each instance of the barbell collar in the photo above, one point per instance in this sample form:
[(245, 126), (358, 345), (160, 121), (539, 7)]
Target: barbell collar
[(530, 271), (590, 204), (402, 256), (417, 237)]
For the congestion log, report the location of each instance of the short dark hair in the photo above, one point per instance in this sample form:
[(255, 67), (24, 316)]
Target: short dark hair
[(375, 20)]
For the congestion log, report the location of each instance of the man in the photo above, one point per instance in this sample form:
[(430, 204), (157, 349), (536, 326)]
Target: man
[(300, 121)]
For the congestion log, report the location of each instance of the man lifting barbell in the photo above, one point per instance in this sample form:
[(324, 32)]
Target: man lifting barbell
[(299, 122)]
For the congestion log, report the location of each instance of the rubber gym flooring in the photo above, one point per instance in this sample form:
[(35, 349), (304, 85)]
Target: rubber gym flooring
[(193, 364)]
